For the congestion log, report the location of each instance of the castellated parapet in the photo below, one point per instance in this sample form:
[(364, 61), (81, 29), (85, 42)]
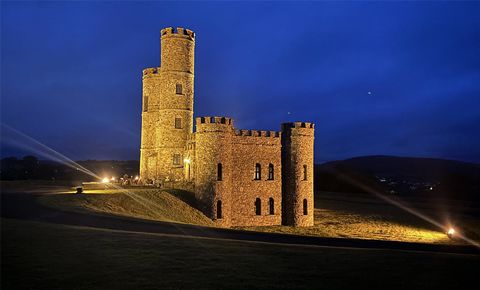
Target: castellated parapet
[(297, 165), (240, 177)]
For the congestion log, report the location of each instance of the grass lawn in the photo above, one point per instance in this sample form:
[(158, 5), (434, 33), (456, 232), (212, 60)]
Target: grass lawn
[(37, 255)]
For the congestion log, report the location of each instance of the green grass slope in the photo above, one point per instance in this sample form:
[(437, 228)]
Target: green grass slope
[(174, 206)]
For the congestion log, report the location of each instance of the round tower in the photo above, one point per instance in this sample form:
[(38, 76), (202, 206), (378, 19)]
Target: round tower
[(297, 174), (167, 115), (214, 166)]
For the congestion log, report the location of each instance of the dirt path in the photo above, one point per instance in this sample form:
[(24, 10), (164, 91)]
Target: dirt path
[(24, 206)]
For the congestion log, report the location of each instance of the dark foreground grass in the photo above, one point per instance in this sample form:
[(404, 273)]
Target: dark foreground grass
[(36, 255)]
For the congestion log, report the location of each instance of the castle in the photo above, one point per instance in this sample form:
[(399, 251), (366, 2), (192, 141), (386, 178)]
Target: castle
[(240, 177)]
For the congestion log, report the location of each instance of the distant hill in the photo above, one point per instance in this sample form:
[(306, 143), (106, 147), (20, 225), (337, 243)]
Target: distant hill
[(405, 176)]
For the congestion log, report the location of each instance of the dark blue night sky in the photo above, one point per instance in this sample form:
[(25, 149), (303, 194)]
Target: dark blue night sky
[(393, 78)]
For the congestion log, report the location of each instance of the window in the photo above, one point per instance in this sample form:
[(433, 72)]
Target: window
[(176, 159), (305, 207), (258, 206), (219, 171), (271, 205), (179, 89), (219, 209), (304, 172), (258, 171), (178, 123), (145, 103), (270, 171)]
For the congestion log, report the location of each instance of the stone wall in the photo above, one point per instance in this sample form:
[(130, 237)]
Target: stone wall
[(163, 103), (297, 187)]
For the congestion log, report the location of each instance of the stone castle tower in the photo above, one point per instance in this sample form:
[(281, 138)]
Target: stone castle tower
[(240, 177), (167, 114)]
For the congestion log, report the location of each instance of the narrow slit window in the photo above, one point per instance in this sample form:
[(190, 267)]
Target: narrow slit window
[(258, 206), (219, 172), (178, 123), (179, 89), (258, 171), (145, 103), (219, 209), (270, 172), (305, 207), (304, 172), (271, 204)]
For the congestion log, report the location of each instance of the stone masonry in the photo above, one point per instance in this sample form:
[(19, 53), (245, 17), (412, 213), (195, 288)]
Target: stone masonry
[(240, 177)]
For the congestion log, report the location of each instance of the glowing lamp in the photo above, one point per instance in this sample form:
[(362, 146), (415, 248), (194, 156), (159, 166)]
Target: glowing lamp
[(451, 232), (136, 177), (112, 179), (186, 160), (105, 180)]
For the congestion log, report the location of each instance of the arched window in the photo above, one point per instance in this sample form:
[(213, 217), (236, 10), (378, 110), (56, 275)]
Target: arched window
[(304, 172), (219, 209), (258, 171), (258, 206), (305, 207), (271, 204), (179, 89), (270, 172), (219, 171)]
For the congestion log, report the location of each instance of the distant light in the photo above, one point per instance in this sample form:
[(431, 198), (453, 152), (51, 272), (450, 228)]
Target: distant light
[(431, 188), (112, 179), (186, 160), (451, 232), (105, 180), (136, 177), (289, 113), (369, 93)]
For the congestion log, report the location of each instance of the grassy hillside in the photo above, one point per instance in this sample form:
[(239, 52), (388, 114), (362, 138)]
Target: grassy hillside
[(173, 206)]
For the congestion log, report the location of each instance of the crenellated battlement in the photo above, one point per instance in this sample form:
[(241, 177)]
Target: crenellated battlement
[(213, 120), (258, 133), (176, 32), (298, 125), (151, 71)]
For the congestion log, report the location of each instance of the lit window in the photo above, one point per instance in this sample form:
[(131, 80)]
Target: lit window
[(178, 123), (258, 171), (176, 159), (270, 171), (179, 89), (258, 206), (271, 204)]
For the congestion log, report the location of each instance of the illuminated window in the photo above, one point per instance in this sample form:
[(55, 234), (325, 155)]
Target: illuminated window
[(258, 171), (271, 204), (219, 209), (176, 159), (270, 171), (145, 103), (179, 89), (178, 123), (219, 171), (304, 172), (258, 206), (305, 207)]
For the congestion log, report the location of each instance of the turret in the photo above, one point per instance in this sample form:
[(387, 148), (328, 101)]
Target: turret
[(167, 115), (214, 166), (297, 174)]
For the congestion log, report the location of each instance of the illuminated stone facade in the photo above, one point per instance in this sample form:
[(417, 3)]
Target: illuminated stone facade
[(240, 177)]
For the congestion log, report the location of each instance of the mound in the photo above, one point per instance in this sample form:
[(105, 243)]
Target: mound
[(149, 204)]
